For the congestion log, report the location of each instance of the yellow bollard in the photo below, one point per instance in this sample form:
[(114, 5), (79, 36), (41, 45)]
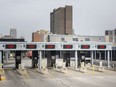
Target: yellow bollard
[(2, 78), (93, 70)]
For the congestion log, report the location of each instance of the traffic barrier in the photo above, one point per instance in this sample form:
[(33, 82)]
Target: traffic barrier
[(21, 69), (22, 66), (96, 68), (43, 69), (60, 66), (112, 67), (83, 68)]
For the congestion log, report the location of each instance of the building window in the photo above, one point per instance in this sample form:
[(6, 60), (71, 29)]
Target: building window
[(75, 39), (99, 39), (62, 39), (48, 38), (87, 39), (106, 32)]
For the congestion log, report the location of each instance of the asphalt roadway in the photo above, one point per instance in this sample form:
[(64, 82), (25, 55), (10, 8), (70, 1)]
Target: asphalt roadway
[(57, 79)]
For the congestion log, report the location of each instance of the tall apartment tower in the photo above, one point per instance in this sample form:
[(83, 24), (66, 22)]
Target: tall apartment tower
[(61, 20)]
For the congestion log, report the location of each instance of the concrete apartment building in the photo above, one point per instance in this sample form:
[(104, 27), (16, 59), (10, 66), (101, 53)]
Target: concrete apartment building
[(75, 38), (61, 20), (40, 36), (110, 36), (45, 36), (12, 37), (114, 35), (13, 33), (0, 35)]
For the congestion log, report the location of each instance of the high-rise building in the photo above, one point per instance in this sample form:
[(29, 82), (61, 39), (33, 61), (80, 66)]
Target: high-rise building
[(13, 33), (61, 20)]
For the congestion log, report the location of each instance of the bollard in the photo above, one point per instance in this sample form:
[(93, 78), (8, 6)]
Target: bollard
[(2, 77), (68, 65), (100, 64), (53, 66), (93, 69), (1, 65)]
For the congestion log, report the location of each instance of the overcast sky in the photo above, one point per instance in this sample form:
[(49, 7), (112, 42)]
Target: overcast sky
[(90, 17)]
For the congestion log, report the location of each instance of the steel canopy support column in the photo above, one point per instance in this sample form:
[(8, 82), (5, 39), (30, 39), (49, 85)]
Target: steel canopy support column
[(76, 59), (108, 59), (0, 57), (17, 59), (111, 55), (95, 55), (99, 55), (6, 55), (48, 58), (34, 59), (91, 57), (105, 55), (40, 60)]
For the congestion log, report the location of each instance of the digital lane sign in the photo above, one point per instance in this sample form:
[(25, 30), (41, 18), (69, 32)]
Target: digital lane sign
[(31, 46), (67, 46), (85, 46), (10, 46), (49, 46), (101, 46)]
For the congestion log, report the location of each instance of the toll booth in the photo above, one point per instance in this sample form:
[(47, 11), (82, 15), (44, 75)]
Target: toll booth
[(51, 58), (1, 56), (66, 58), (35, 57), (17, 59), (84, 56)]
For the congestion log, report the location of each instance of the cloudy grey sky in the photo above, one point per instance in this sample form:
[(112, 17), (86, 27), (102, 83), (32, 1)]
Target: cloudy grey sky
[(90, 17)]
